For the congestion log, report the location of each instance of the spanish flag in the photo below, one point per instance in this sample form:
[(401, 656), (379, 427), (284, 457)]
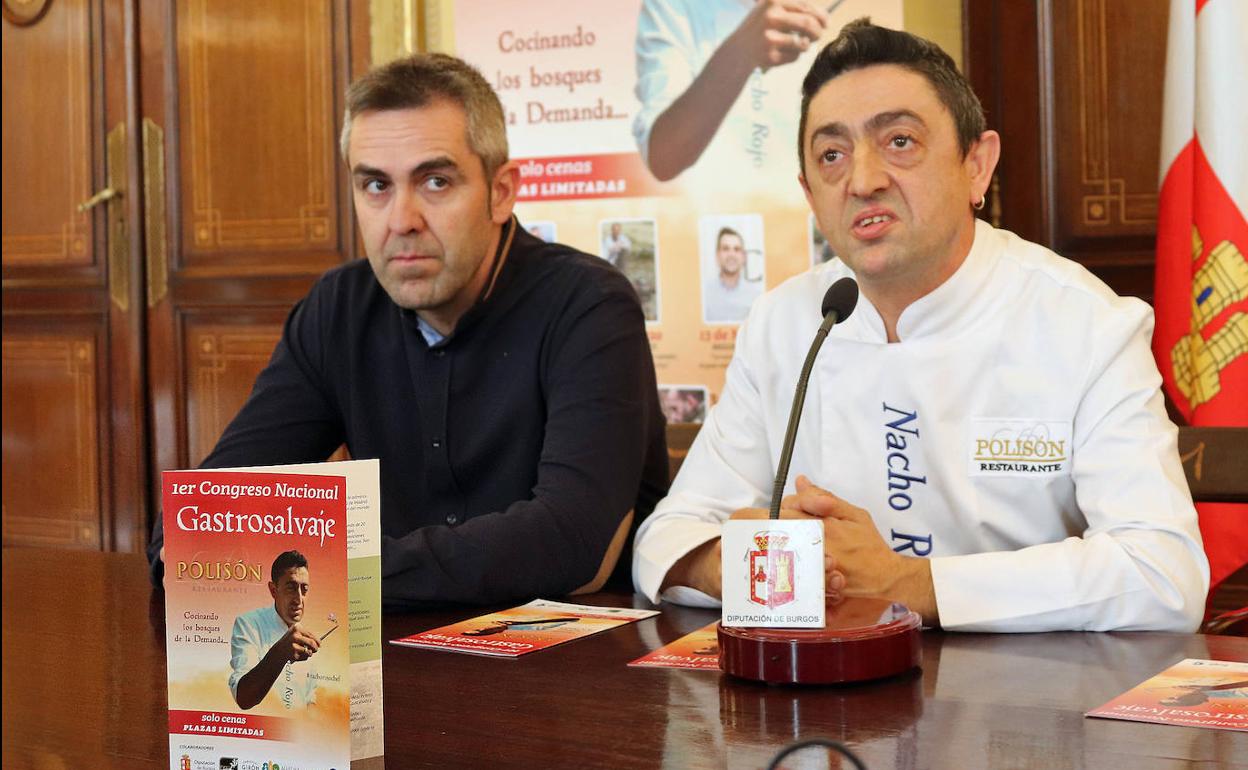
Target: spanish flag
[(1201, 294)]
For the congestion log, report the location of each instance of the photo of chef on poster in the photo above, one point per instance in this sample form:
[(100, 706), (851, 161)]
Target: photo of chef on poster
[(732, 265), (631, 246)]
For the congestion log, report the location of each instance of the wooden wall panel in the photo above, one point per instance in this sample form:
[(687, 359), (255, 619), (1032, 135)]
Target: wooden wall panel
[(222, 363), (51, 447), (1002, 41), (74, 423), (1108, 116), (219, 119), (1075, 88), (256, 102), (47, 80)]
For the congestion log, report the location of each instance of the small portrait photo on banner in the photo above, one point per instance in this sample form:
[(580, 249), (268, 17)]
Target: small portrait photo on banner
[(544, 230), (632, 246), (683, 403), (820, 250), (732, 262)]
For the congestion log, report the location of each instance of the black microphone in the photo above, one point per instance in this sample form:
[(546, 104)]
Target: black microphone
[(838, 303)]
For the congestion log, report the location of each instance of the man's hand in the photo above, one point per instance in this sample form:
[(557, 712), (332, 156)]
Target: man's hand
[(855, 546), (295, 645), (702, 568), (776, 32), (773, 33)]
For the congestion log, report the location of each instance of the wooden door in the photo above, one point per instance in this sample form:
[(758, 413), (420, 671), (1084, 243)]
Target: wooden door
[(242, 103), (75, 454), (133, 330)]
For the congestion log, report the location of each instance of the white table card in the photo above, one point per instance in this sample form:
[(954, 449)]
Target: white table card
[(773, 573)]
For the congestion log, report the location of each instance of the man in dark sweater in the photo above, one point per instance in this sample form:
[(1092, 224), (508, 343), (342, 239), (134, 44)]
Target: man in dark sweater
[(506, 384)]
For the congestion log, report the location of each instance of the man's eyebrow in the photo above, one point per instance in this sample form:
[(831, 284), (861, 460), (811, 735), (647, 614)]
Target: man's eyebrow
[(439, 163), (882, 119), (361, 169), (837, 129)]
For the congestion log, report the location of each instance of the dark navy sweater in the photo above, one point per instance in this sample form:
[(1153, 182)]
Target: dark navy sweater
[(510, 451)]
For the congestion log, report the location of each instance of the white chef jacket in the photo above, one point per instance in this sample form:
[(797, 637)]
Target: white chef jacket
[(1016, 436), (253, 635)]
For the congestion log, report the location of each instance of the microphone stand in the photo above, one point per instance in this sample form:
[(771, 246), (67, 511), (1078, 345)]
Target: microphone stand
[(862, 638), (795, 412)]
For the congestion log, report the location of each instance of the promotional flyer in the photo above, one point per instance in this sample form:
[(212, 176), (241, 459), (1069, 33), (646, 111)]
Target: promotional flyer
[(698, 650), (1192, 693), (255, 601), (524, 629)]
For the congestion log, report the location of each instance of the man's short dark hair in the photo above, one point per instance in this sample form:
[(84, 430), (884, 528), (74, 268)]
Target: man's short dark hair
[(726, 231), (287, 560), (423, 79), (862, 44)]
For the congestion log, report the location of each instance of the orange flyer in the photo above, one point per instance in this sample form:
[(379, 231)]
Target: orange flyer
[(1192, 693), (698, 650), (524, 629), (256, 609)]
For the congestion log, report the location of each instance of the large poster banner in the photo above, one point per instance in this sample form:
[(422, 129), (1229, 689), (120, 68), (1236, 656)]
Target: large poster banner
[(661, 135)]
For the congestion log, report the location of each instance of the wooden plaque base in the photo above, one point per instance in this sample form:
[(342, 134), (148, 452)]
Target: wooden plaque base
[(863, 639)]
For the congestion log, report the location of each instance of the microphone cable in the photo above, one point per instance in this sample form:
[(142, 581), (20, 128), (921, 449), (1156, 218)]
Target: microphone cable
[(825, 742)]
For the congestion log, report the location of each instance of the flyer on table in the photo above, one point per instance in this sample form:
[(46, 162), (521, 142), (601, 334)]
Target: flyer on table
[(524, 629), (1191, 693), (244, 682), (363, 601), (697, 650)]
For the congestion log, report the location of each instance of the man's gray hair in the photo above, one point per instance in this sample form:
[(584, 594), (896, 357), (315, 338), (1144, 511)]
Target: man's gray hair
[(423, 79)]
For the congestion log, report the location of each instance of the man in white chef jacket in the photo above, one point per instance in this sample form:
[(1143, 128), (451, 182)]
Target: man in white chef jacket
[(984, 438)]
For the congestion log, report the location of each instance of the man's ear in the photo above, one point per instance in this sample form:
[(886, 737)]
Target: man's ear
[(503, 189), (273, 590), (981, 162)]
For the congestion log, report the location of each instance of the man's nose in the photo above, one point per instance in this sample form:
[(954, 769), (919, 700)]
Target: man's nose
[(406, 214), (867, 174)]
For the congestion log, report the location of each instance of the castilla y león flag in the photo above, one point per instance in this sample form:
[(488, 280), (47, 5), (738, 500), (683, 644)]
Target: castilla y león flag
[(1201, 341)]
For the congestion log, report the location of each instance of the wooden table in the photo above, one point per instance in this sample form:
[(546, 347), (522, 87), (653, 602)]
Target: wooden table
[(84, 687)]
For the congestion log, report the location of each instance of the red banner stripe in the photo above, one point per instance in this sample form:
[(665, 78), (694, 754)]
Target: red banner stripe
[(220, 724), (573, 177)]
